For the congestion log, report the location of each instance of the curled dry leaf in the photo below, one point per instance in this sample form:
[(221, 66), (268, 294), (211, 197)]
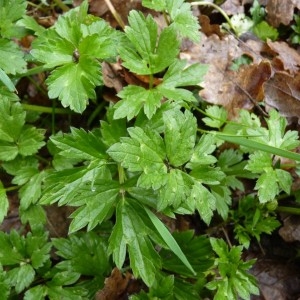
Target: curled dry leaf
[(236, 90), (114, 286), (289, 57), (279, 11), (209, 29), (282, 92)]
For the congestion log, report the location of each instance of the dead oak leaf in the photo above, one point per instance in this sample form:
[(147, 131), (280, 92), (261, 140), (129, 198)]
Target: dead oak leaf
[(282, 92), (232, 7), (114, 286), (281, 12), (209, 29), (213, 50), (236, 90), (289, 57)]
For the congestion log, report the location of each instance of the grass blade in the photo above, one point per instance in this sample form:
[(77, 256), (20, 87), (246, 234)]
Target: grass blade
[(169, 240), (7, 81), (258, 146)]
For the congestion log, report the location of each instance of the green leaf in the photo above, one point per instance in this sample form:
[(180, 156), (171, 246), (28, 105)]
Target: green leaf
[(181, 16), (12, 121), (183, 19), (7, 81), (117, 243), (38, 249), (96, 203), (4, 204), (204, 200), (174, 191), (7, 151), (257, 12), (30, 140), (233, 279), (277, 136), (4, 285), (9, 255), (75, 45), (147, 53), (74, 83), (14, 136), (216, 116), (80, 144), (9, 17), (169, 240), (83, 251), (32, 190), (112, 130), (30, 23), (267, 186), (62, 186), (197, 250), (52, 50), (252, 144), (178, 75), (265, 31), (11, 57), (251, 219), (179, 136), (158, 5), (35, 215), (284, 180), (202, 152), (143, 151), (135, 98), (258, 161), (65, 278), (21, 277), (143, 259), (36, 293), (131, 230)]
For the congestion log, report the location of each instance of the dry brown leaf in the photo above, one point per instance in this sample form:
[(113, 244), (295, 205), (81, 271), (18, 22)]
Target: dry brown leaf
[(281, 11), (282, 92), (122, 7), (114, 286), (236, 90), (209, 29), (232, 7), (213, 50), (289, 57)]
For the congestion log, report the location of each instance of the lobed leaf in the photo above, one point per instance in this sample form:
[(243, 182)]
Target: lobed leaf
[(179, 136), (143, 151), (4, 204), (147, 53), (80, 144)]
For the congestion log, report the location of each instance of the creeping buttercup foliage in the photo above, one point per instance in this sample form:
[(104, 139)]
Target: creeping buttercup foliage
[(127, 178), (73, 49)]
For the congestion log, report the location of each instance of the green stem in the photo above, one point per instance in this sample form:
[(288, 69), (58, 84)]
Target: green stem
[(218, 8), (61, 5), (151, 81), (40, 158), (45, 109), (290, 210), (95, 113), (12, 188), (122, 178), (53, 117), (32, 71)]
